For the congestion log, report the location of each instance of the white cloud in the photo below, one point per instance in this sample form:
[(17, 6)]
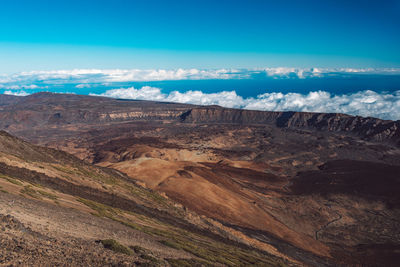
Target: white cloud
[(302, 73), (87, 76), (363, 103), (83, 85), (224, 98), (16, 93), (145, 93), (18, 87), (118, 75)]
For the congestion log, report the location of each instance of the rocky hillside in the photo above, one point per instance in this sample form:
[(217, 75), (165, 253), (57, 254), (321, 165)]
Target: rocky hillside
[(307, 188), (8, 99), (56, 209), (366, 128)]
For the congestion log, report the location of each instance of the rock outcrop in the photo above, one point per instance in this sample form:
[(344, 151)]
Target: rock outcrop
[(368, 128)]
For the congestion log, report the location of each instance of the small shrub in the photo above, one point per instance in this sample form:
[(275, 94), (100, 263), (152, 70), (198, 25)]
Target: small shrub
[(28, 190), (170, 244), (11, 180), (115, 246), (140, 250), (14, 181), (47, 195), (149, 258), (101, 209)]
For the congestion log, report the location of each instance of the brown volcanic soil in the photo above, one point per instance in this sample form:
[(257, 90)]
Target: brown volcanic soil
[(315, 186), (73, 204), (40, 234)]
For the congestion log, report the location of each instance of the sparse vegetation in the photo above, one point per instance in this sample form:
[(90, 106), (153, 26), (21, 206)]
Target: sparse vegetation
[(115, 246), (83, 173), (63, 169), (149, 258), (38, 194), (140, 250), (102, 210), (11, 180), (170, 244), (37, 185), (28, 190), (2, 190), (146, 254), (187, 263), (205, 248), (47, 195), (97, 176), (147, 194)]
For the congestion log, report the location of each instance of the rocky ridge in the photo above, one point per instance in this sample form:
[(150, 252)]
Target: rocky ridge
[(42, 109), (368, 128)]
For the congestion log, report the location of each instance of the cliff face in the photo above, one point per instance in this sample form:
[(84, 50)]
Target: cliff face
[(43, 109), (368, 128), (225, 115)]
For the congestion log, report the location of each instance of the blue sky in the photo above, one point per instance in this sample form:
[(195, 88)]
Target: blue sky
[(309, 55), (48, 35)]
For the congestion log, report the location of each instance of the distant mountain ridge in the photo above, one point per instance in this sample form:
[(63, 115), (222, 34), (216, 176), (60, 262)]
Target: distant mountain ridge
[(368, 128), (54, 109)]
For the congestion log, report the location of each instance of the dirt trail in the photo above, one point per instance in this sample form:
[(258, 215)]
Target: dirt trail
[(329, 223)]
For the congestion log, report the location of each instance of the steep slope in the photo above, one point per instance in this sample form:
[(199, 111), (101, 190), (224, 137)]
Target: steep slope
[(367, 128), (47, 198)]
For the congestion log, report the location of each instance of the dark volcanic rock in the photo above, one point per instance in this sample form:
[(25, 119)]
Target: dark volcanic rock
[(368, 128), (370, 180)]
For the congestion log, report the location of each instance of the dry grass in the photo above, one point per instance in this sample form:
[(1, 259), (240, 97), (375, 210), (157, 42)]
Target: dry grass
[(208, 250), (37, 193), (11, 180), (115, 246)]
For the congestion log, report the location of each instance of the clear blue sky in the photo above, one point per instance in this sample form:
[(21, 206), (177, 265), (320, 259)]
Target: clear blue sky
[(61, 34)]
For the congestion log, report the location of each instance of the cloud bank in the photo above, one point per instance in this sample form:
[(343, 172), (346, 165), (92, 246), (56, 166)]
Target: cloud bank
[(16, 93), (90, 76), (363, 103)]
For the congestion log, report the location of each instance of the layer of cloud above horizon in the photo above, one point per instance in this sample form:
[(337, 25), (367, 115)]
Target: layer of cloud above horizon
[(363, 103), (85, 77), (385, 105)]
